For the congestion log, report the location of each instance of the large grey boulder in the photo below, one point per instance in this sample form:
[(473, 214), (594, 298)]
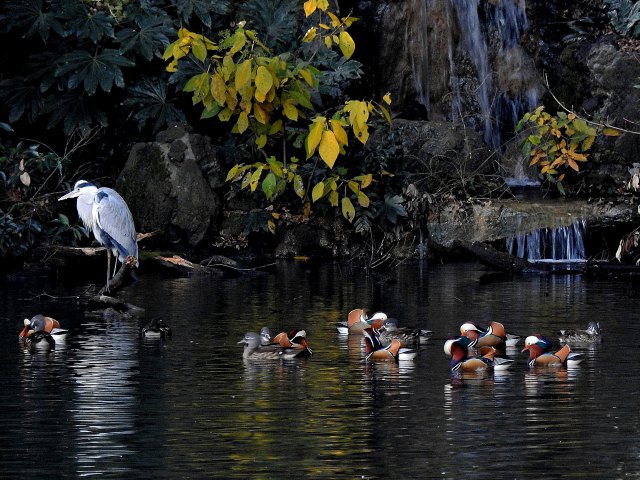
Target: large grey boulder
[(166, 189)]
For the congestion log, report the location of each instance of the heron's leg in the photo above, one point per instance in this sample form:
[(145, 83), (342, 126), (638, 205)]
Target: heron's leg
[(108, 268), (115, 265)]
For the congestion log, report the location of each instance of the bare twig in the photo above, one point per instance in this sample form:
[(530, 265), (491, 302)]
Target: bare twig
[(569, 110)]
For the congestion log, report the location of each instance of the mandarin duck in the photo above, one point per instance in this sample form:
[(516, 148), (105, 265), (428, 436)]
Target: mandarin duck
[(296, 338), (156, 328), (388, 330), (458, 349), (539, 354), (40, 323), (357, 321), (590, 335), (493, 336), (375, 350), (254, 350)]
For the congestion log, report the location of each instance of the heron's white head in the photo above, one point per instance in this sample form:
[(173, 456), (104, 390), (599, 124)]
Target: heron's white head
[(81, 187)]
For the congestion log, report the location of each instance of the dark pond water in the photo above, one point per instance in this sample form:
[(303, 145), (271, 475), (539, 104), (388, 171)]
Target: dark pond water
[(113, 405)]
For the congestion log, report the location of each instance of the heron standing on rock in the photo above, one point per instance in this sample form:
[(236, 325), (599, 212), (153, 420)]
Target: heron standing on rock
[(104, 212)]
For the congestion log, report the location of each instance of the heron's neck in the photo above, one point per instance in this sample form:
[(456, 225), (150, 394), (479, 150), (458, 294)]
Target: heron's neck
[(85, 208)]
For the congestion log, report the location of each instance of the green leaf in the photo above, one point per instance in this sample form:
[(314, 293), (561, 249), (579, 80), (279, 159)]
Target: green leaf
[(269, 185)]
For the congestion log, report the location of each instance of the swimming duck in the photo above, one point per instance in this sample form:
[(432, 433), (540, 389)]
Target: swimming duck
[(493, 336), (265, 336), (590, 335), (40, 323), (156, 328), (458, 349), (539, 356), (254, 350), (296, 339), (396, 350), (357, 321), (388, 330)]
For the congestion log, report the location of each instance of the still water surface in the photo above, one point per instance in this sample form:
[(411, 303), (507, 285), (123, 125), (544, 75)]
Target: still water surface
[(113, 405)]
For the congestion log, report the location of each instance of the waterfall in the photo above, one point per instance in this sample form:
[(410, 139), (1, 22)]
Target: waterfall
[(557, 244), (468, 64)]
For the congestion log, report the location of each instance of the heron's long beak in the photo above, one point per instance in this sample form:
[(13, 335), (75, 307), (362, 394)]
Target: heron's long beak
[(71, 194)]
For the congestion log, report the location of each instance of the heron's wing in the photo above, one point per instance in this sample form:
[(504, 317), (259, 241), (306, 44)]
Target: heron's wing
[(115, 222)]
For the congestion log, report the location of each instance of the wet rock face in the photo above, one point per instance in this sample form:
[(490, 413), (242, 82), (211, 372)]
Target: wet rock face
[(166, 189)]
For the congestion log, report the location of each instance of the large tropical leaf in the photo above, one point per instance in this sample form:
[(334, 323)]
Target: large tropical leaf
[(148, 37), (207, 11), (391, 209), (30, 18), (274, 20), (87, 25), (101, 68), (22, 98), (149, 102), (74, 111)]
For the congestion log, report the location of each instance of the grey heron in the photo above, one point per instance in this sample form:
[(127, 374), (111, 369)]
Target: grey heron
[(104, 212)]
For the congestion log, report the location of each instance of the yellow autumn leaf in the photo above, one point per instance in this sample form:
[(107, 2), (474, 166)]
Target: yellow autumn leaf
[(307, 77), (387, 98), (310, 7), (239, 41), (264, 80), (587, 143), (243, 75), (255, 178), (333, 198), (218, 88), (573, 164), (323, 4), (290, 110), (329, 148), (339, 132), (317, 192), (261, 140), (243, 122), (611, 132), (366, 180), (260, 113), (335, 21), (310, 35), (276, 127), (315, 135), (363, 200), (224, 115), (328, 42), (348, 210)]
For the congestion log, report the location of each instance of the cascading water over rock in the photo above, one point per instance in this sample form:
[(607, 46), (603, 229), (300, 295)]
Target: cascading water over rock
[(559, 244)]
